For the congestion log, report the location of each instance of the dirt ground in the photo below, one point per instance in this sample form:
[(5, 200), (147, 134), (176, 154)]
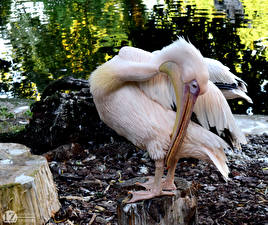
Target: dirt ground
[(87, 178)]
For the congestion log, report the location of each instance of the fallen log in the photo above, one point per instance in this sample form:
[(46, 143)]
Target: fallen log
[(180, 209), (28, 194)]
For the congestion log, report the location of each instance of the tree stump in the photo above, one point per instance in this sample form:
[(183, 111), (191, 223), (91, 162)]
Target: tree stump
[(180, 209), (27, 192)]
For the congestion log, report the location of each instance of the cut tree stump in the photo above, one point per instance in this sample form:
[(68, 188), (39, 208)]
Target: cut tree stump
[(180, 209), (28, 194)]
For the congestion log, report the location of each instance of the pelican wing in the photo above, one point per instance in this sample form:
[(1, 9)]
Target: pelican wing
[(231, 85), (221, 74), (213, 111)]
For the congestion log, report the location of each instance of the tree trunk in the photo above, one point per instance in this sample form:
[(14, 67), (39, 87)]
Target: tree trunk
[(180, 209), (27, 192)]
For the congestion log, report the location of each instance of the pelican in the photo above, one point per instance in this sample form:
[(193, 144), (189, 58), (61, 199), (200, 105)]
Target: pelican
[(135, 93)]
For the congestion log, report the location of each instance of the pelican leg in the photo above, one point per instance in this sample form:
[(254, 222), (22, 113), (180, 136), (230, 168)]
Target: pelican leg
[(168, 184), (156, 189)]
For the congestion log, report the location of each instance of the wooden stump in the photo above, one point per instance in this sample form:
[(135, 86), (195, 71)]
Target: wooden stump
[(27, 192), (180, 209)]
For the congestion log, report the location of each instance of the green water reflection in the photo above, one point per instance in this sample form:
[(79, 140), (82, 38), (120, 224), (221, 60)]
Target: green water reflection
[(48, 39)]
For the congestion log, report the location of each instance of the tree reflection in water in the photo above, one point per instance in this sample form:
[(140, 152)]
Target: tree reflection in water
[(52, 39)]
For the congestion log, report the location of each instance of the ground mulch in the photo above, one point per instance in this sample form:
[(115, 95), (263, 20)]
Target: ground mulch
[(88, 178)]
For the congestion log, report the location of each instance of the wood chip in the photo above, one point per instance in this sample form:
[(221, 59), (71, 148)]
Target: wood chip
[(71, 197), (92, 219), (99, 208)]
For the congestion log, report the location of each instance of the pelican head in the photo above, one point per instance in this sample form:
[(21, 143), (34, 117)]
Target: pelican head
[(189, 81), (191, 64)]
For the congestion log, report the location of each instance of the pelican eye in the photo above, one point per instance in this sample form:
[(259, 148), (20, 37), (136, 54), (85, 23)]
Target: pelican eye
[(194, 87)]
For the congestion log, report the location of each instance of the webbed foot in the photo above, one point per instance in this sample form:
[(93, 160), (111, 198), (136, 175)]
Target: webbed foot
[(166, 184), (143, 195)]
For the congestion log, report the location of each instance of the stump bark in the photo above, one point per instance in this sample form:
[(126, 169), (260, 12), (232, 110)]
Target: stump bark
[(180, 209), (28, 194)]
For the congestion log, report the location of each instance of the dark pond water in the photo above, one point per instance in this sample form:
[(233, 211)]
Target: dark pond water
[(41, 41)]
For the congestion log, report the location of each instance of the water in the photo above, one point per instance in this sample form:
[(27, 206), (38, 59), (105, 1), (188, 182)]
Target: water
[(41, 41), (252, 124)]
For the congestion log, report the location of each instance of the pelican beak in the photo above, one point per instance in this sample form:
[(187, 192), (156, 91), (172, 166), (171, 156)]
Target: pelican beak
[(186, 95)]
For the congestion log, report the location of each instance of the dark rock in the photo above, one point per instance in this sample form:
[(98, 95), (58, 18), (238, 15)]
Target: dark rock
[(63, 118)]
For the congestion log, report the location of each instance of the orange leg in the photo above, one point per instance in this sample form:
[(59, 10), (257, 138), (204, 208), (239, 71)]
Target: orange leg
[(156, 187), (167, 183)]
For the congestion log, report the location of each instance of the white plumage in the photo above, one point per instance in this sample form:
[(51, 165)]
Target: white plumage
[(212, 110), (202, 144), (230, 85)]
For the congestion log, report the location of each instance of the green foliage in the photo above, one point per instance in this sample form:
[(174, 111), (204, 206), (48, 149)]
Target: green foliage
[(5, 114), (6, 127), (28, 114)]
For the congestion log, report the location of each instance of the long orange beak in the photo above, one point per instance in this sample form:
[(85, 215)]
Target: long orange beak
[(186, 95)]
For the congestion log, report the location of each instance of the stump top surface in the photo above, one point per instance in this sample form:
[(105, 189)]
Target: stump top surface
[(179, 209), (17, 164)]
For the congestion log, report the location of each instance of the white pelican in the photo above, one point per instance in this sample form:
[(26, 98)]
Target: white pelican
[(134, 96)]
